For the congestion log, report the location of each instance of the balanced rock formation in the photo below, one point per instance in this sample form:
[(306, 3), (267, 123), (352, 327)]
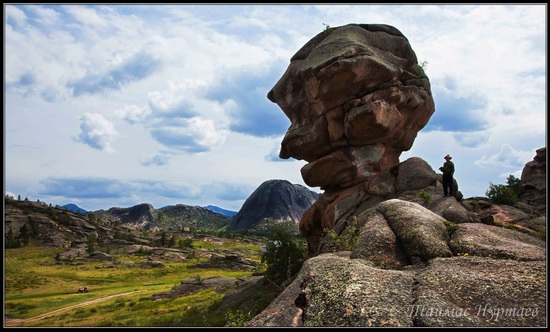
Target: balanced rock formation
[(356, 98)]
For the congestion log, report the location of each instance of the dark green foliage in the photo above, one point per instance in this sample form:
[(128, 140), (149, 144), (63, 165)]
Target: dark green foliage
[(328, 30), (24, 234), (424, 196), (515, 184), (91, 243), (501, 194), (172, 241), (11, 241), (142, 251), (284, 256), (163, 241), (185, 243)]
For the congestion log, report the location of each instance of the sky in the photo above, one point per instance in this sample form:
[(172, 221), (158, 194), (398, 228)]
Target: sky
[(117, 105)]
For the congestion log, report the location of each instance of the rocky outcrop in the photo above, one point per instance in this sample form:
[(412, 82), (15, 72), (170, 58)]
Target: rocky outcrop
[(356, 102), (496, 242), (533, 180), (273, 201), (356, 98), (431, 273), (230, 260), (49, 226)]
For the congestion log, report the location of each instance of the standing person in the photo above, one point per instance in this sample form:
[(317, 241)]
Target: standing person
[(448, 170)]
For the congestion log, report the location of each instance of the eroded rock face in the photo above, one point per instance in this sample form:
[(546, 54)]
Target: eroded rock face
[(356, 98), (533, 179)]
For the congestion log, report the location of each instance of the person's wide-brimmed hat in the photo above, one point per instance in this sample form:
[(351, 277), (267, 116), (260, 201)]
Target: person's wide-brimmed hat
[(448, 157)]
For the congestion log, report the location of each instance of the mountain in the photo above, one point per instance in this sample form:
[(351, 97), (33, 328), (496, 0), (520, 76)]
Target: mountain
[(221, 211), (172, 217), (274, 201), (74, 208)]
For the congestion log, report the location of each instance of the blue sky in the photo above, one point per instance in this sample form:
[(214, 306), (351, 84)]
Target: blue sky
[(117, 105)]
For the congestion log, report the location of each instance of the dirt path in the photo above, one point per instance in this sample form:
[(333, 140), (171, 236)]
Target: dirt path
[(11, 322)]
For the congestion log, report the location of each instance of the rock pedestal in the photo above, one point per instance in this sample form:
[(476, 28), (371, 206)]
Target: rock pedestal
[(356, 98)]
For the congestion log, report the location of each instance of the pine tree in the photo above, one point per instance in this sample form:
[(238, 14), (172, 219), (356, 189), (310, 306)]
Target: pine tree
[(91, 243)]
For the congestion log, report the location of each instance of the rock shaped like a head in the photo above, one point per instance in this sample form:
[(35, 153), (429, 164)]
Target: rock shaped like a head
[(356, 98)]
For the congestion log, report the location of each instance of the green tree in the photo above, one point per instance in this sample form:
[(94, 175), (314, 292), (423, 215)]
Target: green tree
[(501, 194), (11, 241), (92, 217), (24, 234), (515, 184), (185, 243), (284, 256), (163, 240), (91, 243), (172, 241)]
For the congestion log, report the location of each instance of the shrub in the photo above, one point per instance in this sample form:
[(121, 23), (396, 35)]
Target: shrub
[(424, 196), (328, 30), (237, 317), (501, 194), (346, 240), (185, 243), (199, 279)]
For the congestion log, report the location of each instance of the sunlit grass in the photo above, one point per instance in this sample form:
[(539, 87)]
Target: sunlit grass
[(35, 285)]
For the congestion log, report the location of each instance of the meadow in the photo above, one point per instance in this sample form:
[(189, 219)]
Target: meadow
[(35, 285)]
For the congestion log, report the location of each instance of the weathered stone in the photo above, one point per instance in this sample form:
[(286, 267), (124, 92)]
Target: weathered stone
[(478, 291), (378, 244), (452, 210), (356, 98), (421, 232), (496, 242), (533, 180)]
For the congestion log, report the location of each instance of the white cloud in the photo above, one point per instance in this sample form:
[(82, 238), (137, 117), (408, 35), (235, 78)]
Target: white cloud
[(46, 16), (97, 132), (506, 157), (87, 16), (15, 14), (133, 114), (186, 79), (189, 135)]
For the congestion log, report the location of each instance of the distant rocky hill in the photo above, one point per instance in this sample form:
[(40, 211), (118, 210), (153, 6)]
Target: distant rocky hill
[(274, 201), (49, 226), (172, 217), (221, 211), (74, 208)]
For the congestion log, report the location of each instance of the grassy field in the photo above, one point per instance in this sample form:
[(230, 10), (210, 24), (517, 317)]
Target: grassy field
[(35, 285)]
